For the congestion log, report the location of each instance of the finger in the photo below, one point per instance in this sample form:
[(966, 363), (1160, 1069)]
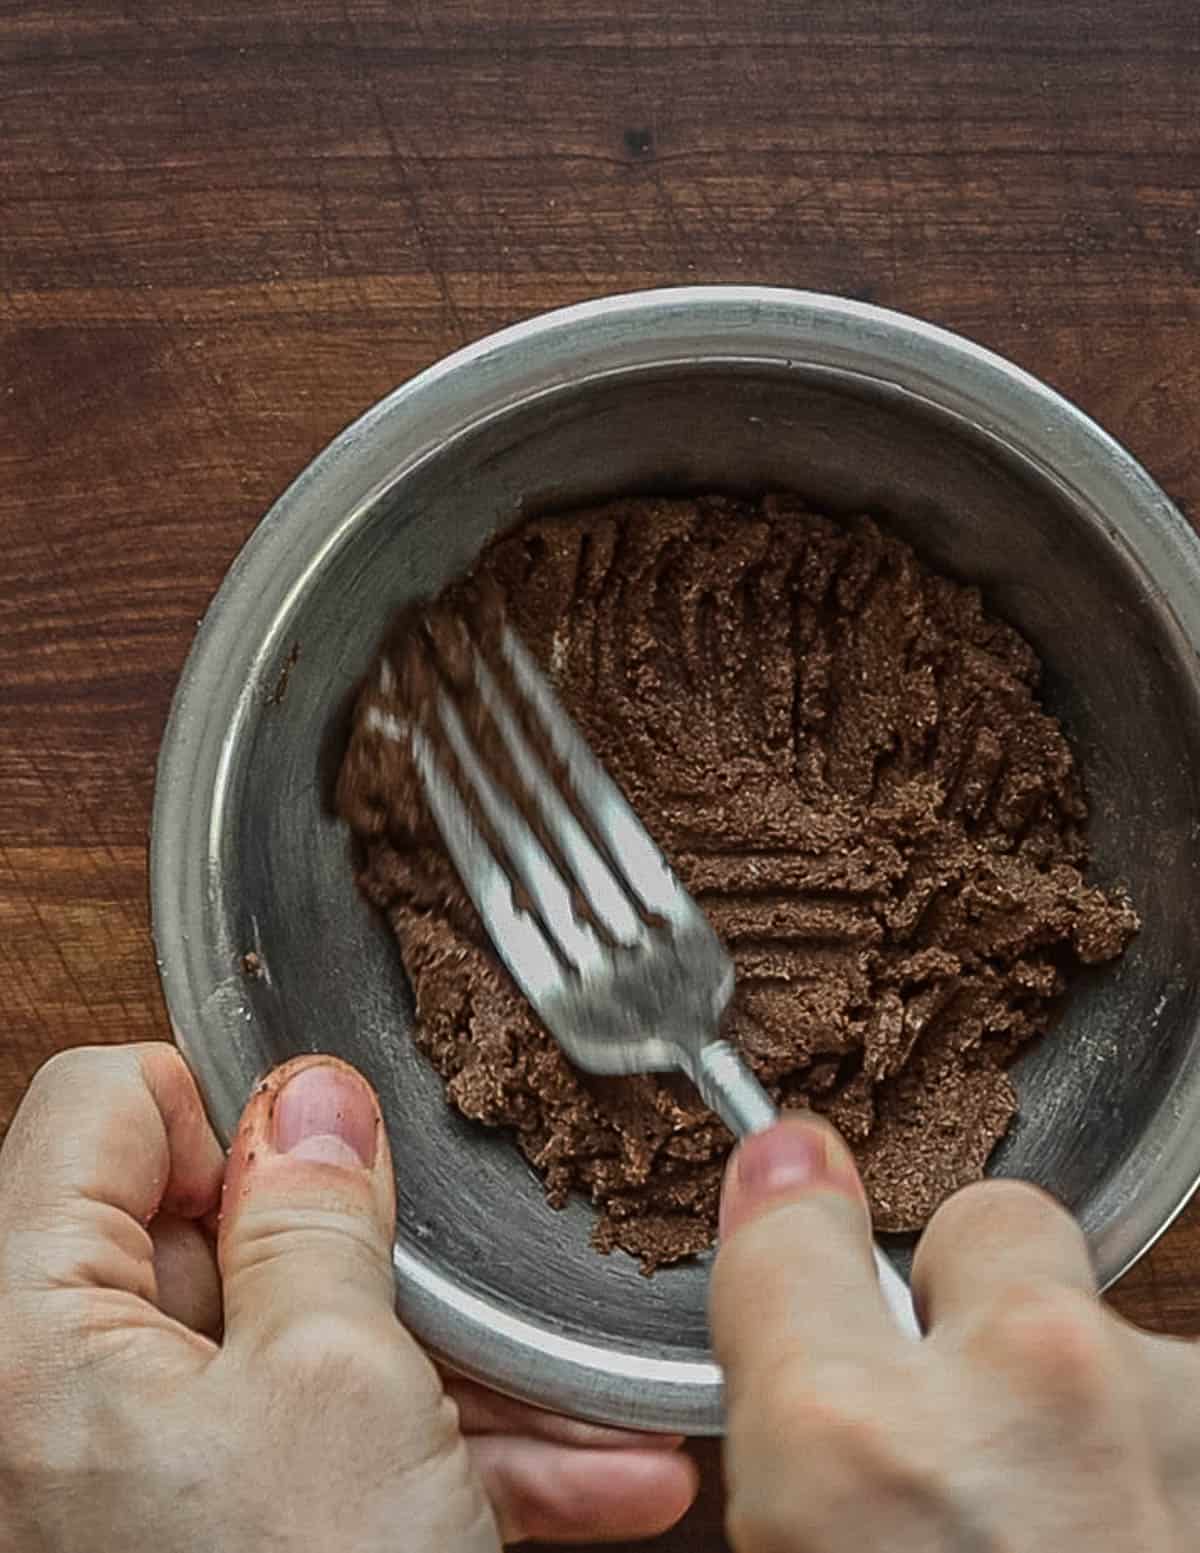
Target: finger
[(991, 1236), (308, 1211), (554, 1493), (795, 1275), (105, 1138), (482, 1411), (185, 1271)]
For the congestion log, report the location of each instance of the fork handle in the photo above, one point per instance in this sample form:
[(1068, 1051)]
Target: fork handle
[(728, 1087)]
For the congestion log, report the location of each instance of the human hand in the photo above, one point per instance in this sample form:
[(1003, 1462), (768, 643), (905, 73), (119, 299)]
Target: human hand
[(315, 1421), (1029, 1418)]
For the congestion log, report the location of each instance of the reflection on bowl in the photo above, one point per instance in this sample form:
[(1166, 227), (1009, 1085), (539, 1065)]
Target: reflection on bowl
[(988, 473)]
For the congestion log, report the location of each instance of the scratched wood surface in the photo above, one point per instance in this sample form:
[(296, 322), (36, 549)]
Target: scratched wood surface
[(227, 227)]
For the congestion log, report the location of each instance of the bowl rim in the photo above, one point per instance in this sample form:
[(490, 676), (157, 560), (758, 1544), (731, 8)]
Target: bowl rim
[(228, 665)]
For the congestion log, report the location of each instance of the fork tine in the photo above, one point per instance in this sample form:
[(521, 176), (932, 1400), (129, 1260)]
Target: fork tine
[(514, 932), (594, 877), (550, 894), (640, 861)]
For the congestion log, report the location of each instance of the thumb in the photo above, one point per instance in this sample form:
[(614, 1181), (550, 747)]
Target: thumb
[(308, 1212), (795, 1276)]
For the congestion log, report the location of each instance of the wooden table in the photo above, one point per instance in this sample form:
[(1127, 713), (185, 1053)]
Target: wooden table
[(228, 227)]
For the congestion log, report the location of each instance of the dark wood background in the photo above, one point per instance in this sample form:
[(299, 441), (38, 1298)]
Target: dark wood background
[(227, 226)]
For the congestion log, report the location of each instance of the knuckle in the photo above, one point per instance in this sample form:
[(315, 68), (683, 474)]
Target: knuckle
[(70, 1078), (856, 1464), (781, 1405), (1015, 1207), (755, 1526), (444, 1435), (87, 1066), (1053, 1340), (269, 1238), (16, 1361), (159, 1060), (328, 1348), (796, 1392), (866, 1452), (66, 1068), (41, 1435), (779, 1414), (831, 1412), (740, 1264)]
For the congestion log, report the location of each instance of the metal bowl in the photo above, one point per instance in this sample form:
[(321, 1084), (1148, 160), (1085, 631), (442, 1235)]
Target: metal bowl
[(991, 475)]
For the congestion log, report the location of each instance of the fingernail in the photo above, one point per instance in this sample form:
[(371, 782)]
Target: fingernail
[(786, 1158), (326, 1113)]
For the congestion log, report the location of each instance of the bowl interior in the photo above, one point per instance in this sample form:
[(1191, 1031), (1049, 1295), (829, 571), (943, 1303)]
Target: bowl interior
[(1117, 673)]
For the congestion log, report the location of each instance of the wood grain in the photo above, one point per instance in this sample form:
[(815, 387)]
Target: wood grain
[(226, 228)]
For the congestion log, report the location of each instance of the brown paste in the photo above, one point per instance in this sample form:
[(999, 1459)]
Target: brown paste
[(844, 758)]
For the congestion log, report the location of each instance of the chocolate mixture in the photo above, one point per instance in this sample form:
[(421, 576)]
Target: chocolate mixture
[(845, 760)]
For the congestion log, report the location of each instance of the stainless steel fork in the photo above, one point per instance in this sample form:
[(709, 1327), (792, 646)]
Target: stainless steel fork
[(637, 983)]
